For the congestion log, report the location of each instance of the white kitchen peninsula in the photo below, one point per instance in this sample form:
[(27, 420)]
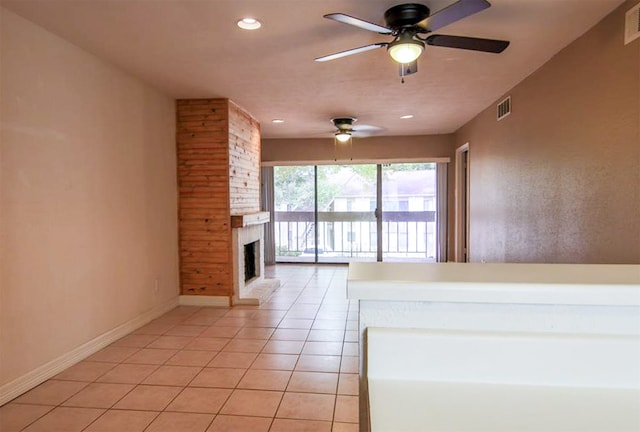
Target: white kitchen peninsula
[(595, 307)]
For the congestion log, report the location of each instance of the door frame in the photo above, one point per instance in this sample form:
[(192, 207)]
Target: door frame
[(462, 193), (377, 211)]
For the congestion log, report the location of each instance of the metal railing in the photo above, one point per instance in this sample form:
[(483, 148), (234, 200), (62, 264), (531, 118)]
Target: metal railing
[(345, 236)]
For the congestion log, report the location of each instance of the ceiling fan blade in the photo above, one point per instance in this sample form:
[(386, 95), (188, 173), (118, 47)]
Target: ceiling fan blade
[(452, 13), (468, 43), (364, 131), (367, 128), (366, 25), (351, 52)]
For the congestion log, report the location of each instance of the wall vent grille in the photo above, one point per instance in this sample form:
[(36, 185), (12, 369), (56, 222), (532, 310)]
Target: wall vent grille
[(632, 24), (504, 108)]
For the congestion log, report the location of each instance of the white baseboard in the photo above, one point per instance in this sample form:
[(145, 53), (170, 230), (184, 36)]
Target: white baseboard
[(201, 300), (39, 375)]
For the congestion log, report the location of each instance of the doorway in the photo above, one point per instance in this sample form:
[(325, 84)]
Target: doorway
[(462, 191)]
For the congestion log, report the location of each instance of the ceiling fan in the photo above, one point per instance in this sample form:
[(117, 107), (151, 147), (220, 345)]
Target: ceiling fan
[(345, 130), (410, 25)]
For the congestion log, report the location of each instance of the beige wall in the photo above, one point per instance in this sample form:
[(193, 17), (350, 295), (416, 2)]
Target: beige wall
[(87, 198), (363, 149), (372, 149), (559, 179)]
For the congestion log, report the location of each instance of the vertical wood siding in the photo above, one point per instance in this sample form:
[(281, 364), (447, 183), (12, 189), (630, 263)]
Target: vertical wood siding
[(218, 149), (244, 162)]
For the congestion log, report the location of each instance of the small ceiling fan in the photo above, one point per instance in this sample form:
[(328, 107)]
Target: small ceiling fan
[(345, 129), (410, 25)]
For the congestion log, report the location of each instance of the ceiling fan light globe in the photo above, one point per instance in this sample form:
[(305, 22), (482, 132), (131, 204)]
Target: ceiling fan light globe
[(405, 51), (343, 137)]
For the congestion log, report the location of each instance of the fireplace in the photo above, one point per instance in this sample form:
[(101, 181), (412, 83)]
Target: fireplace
[(249, 283), (251, 261)]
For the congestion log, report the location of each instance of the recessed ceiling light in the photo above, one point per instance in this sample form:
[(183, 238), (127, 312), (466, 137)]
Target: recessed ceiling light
[(249, 24), (408, 116), (277, 121)]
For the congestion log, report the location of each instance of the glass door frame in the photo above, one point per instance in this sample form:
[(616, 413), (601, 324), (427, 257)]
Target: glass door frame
[(377, 215)]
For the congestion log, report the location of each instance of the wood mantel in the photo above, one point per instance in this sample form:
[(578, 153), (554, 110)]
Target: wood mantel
[(240, 221)]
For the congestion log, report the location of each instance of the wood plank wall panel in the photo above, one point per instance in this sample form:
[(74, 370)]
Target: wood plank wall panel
[(244, 161), (218, 146), (202, 139)]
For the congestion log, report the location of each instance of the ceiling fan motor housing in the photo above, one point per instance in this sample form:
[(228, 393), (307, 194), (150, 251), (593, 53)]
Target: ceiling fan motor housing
[(405, 15), (343, 123)]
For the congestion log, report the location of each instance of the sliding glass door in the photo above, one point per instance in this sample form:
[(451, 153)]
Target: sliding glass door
[(346, 213), (409, 212), (327, 213), (294, 213)]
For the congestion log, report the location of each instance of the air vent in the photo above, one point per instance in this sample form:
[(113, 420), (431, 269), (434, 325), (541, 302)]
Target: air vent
[(632, 24), (504, 108)]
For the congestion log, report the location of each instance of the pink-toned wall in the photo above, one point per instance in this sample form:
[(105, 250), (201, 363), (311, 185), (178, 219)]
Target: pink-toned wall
[(88, 198), (559, 179)]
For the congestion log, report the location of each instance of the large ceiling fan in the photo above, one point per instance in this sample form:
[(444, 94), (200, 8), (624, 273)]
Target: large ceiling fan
[(410, 25)]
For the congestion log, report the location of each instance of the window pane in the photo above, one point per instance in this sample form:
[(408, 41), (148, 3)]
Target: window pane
[(294, 213), (408, 212), (346, 219)]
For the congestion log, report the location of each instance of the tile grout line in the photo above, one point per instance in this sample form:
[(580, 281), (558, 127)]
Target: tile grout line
[(273, 420), (298, 298)]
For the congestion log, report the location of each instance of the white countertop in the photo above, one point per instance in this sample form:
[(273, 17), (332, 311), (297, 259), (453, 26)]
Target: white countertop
[(568, 284)]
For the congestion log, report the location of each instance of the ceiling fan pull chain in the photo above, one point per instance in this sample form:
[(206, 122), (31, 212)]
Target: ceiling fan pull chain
[(402, 73)]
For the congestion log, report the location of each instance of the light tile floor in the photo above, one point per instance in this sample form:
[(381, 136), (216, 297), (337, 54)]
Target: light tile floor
[(288, 365)]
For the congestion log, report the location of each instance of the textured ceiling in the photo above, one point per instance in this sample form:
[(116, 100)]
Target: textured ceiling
[(193, 49)]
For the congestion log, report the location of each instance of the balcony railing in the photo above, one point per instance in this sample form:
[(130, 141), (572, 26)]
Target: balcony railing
[(346, 236)]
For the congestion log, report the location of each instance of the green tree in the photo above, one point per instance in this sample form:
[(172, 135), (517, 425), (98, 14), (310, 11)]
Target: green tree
[(295, 190), (294, 187)]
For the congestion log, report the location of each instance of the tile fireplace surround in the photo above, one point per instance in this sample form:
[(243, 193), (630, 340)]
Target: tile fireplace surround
[(247, 229)]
